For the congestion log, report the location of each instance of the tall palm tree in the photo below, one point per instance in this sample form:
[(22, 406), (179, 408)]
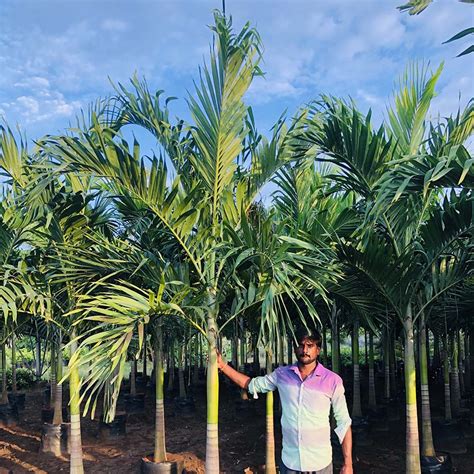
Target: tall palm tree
[(387, 170)]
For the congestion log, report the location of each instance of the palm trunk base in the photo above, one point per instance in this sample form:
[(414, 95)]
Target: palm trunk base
[(148, 466), (212, 449), (55, 439)]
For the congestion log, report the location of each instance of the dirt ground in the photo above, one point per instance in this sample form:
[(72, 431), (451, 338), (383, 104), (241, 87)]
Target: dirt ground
[(242, 442)]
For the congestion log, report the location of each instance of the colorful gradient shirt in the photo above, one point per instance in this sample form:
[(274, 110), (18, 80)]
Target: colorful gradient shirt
[(305, 413)]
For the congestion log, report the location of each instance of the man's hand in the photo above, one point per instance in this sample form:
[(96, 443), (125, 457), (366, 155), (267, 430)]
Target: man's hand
[(346, 469), (221, 363)]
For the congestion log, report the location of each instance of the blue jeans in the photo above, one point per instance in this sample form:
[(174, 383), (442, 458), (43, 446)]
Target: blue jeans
[(285, 470)]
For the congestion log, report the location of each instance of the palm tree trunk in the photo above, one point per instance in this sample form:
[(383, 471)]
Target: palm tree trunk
[(393, 367), (436, 350), (133, 377), (325, 346), (289, 349), (356, 405), (270, 464), (235, 346), (58, 395), (181, 356), (212, 433), (196, 360), (447, 392), (467, 362), (159, 454), (412, 437), (372, 397), (243, 343), (462, 389), (427, 435), (366, 348), (335, 359), (4, 400), (386, 358), (145, 358), (455, 394), (76, 464), (171, 367), (14, 388), (38, 357)]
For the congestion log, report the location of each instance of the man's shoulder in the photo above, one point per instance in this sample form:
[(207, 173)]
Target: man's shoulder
[(336, 378)]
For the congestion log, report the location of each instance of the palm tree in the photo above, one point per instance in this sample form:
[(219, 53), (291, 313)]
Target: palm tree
[(385, 171)]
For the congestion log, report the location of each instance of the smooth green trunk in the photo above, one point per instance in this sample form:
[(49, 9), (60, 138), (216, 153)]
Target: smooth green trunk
[(145, 358), (356, 405), (393, 367), (133, 377), (455, 389), (159, 454), (467, 363), (335, 357), (4, 400), (462, 389), (412, 437), (76, 463), (325, 347), (427, 435), (436, 350), (58, 394), (270, 464), (181, 355), (447, 392), (386, 359), (14, 388), (372, 397), (171, 367), (212, 435)]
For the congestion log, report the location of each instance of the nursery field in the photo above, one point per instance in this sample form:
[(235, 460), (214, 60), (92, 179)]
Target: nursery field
[(134, 280), (242, 436)]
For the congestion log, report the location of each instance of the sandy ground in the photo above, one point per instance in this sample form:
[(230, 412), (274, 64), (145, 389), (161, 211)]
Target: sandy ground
[(242, 442)]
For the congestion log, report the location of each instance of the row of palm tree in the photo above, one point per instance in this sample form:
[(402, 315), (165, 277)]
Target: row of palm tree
[(105, 245)]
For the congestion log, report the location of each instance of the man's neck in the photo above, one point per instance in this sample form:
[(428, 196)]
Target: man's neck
[(306, 369)]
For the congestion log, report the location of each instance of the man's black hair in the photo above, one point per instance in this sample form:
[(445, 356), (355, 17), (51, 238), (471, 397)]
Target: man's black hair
[(305, 333)]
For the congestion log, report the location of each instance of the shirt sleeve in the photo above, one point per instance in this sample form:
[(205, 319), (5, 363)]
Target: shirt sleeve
[(341, 414), (263, 384)]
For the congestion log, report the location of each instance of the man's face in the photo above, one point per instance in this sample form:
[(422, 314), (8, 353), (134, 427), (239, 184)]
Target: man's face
[(307, 351)]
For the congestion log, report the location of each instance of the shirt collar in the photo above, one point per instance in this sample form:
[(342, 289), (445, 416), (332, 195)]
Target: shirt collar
[(318, 371)]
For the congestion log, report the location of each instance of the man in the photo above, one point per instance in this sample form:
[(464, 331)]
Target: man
[(307, 392)]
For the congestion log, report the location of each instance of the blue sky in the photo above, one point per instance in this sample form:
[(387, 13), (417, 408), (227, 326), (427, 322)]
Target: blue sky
[(56, 56)]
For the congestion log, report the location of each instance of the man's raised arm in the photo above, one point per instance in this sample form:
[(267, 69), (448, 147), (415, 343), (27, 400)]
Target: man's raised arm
[(237, 377)]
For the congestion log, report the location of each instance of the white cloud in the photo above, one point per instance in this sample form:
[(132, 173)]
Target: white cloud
[(58, 61), (118, 26), (33, 109)]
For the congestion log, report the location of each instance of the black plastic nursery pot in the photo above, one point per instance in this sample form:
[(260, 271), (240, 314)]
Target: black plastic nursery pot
[(114, 429), (167, 467), (17, 399), (449, 438), (47, 414), (55, 438), (8, 415), (439, 463)]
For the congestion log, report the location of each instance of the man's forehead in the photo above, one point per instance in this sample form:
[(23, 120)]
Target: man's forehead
[(306, 339)]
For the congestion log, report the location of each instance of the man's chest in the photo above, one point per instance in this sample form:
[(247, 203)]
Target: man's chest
[(311, 397)]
